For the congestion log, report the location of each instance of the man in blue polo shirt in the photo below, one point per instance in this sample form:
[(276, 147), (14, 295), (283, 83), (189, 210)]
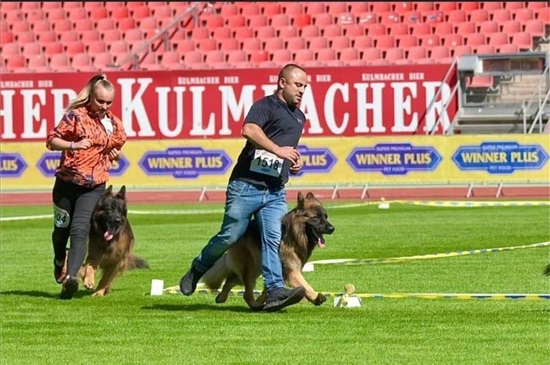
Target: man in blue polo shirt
[(272, 128)]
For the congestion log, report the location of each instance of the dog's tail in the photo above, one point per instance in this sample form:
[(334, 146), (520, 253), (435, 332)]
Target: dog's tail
[(547, 270), (136, 262), (214, 277)]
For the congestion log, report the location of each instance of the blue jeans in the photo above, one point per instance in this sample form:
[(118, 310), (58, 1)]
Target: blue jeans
[(244, 200)]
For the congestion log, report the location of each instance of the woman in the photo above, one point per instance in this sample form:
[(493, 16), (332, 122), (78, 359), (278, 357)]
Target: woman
[(90, 138)]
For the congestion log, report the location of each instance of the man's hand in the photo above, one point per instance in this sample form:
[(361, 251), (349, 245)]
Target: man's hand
[(114, 154), (295, 168), (289, 153)]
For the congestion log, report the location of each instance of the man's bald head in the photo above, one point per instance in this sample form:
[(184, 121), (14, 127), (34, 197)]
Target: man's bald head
[(292, 84), (287, 70)]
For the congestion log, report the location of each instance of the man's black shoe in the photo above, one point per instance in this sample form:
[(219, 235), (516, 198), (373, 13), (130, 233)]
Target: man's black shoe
[(283, 297), (69, 288), (188, 282)]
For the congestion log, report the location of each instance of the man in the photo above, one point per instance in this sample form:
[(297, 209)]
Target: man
[(272, 128)]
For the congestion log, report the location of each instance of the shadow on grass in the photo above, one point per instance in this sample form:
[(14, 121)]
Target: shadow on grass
[(41, 294), (30, 293), (196, 307)]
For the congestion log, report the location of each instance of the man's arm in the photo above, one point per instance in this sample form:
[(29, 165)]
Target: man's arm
[(255, 135)]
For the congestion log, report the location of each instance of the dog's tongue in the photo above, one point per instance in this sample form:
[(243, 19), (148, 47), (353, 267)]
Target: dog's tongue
[(321, 242), (108, 236)]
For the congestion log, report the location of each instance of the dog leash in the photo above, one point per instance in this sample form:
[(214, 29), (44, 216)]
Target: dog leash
[(426, 256), (458, 296)]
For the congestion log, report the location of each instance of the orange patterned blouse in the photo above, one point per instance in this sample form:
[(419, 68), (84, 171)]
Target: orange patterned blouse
[(87, 167)]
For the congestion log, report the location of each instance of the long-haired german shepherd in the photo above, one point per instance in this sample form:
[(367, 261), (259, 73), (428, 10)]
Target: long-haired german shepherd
[(303, 230), (111, 242)]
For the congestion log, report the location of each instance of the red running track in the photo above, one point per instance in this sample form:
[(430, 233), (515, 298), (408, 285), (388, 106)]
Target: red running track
[(348, 194)]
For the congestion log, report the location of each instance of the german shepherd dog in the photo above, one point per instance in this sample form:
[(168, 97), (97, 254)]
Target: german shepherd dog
[(111, 242), (303, 229)]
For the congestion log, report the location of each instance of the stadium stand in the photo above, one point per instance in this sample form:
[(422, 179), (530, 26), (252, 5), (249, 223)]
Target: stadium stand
[(442, 30)]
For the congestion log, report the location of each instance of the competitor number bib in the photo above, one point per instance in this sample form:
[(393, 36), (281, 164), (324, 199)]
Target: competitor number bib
[(266, 163)]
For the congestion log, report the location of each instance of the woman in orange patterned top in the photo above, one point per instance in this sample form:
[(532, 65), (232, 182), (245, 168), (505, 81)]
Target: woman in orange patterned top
[(90, 137)]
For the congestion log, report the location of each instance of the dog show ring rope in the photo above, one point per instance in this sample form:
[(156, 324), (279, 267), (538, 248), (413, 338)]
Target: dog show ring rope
[(458, 296)]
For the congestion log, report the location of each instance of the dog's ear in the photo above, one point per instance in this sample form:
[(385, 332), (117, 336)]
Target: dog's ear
[(108, 190), (122, 192), (311, 200), (300, 200)]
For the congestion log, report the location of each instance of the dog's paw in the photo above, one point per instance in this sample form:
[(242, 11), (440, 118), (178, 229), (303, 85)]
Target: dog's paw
[(82, 273), (257, 307), (89, 284), (99, 293), (320, 299), (221, 298)]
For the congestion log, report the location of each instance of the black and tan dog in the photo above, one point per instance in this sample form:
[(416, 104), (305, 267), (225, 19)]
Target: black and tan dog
[(303, 230), (111, 243)]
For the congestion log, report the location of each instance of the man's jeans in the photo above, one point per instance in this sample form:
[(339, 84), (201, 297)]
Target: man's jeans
[(268, 207)]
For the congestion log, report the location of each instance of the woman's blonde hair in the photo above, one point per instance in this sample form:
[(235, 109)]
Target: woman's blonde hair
[(83, 96)]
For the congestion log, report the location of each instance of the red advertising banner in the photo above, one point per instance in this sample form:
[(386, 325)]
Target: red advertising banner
[(199, 104)]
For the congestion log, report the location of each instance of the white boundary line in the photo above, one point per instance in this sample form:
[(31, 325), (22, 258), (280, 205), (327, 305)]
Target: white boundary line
[(176, 211), (25, 218), (214, 211), (159, 212), (342, 206)]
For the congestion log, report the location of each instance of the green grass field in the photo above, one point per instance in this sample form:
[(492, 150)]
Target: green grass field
[(130, 327)]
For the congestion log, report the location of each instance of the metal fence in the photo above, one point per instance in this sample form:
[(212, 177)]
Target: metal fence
[(503, 93)]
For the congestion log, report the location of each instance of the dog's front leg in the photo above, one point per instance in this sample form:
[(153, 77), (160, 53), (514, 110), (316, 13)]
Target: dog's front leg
[(110, 272), (89, 270), (91, 265), (82, 271), (262, 297), (230, 282), (296, 279)]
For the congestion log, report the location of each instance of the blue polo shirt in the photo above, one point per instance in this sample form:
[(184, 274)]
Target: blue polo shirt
[(283, 126)]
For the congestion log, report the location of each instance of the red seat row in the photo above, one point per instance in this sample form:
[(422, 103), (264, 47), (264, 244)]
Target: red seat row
[(314, 33)]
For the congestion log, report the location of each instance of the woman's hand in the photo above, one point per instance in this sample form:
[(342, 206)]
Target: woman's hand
[(83, 144), (114, 154)]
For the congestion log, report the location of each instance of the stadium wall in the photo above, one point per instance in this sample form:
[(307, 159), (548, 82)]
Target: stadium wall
[(184, 130)]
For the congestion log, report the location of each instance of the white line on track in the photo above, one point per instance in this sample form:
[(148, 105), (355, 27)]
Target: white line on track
[(25, 218), (176, 211), (158, 212), (219, 211)]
